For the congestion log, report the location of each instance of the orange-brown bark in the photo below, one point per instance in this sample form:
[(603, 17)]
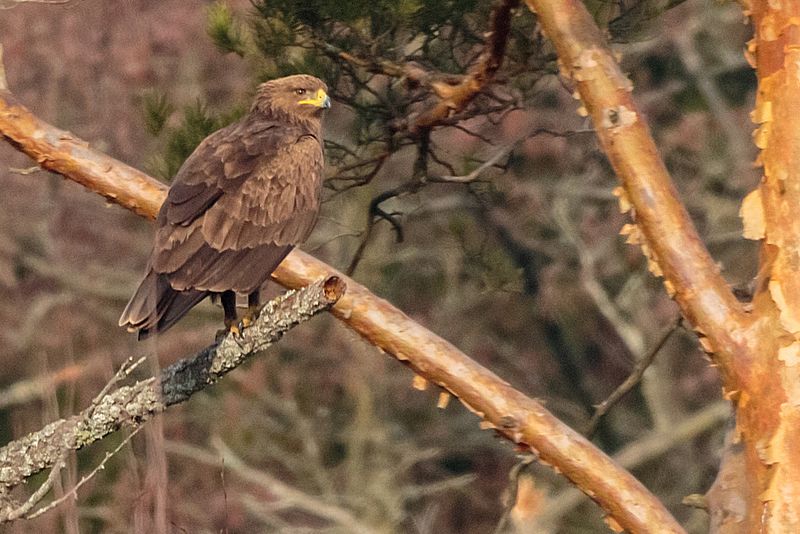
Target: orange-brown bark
[(768, 421), (662, 225), (758, 349), (519, 418), (59, 151), (456, 97)]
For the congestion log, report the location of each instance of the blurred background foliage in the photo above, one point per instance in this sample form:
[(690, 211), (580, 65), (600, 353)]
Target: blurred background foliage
[(521, 267)]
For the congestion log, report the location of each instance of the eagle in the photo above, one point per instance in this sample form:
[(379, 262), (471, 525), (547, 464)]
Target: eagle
[(238, 205)]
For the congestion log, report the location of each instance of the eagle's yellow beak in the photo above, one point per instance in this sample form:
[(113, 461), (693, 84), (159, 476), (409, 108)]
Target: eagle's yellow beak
[(322, 100)]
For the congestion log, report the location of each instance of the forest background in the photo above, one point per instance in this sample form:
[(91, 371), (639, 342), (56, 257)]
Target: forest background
[(522, 268)]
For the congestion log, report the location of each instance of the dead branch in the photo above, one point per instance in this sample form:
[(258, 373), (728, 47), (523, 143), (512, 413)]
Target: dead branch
[(655, 388), (10, 4), (73, 492), (515, 416), (629, 383), (409, 71), (130, 406), (663, 226), (476, 174), (286, 496)]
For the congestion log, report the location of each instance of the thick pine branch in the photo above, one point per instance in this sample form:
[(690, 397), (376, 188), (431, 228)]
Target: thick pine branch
[(662, 224), (453, 98), (515, 416)]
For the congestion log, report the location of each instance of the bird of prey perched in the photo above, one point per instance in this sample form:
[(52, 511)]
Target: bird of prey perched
[(244, 198)]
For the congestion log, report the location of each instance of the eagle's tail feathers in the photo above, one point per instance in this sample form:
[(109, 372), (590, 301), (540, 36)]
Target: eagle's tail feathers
[(155, 306)]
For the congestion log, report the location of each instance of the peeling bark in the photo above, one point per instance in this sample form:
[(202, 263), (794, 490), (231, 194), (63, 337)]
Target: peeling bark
[(768, 422), (756, 347), (662, 226)]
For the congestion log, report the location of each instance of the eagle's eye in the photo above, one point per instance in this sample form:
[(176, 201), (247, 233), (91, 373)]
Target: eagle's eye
[(300, 92)]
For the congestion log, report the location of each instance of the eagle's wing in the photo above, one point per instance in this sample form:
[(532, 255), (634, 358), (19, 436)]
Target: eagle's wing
[(221, 162), (239, 209), (239, 204)]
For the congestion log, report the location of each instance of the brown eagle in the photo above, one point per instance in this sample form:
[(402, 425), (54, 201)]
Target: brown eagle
[(244, 198)]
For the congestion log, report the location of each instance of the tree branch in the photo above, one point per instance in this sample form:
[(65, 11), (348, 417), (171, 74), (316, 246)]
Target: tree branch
[(629, 383), (60, 152), (663, 226), (132, 405), (456, 97), (515, 416), (646, 448)]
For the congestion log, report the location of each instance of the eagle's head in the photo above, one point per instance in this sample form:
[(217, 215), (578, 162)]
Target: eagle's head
[(294, 98)]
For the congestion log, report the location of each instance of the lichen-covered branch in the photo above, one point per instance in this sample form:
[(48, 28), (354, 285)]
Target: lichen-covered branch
[(662, 225), (515, 416), (132, 405)]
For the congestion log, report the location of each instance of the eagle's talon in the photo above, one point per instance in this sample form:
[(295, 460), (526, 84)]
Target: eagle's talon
[(220, 334), (248, 318), (238, 328)]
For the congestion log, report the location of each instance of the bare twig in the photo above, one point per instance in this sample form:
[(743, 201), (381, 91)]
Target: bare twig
[(634, 378), (12, 513), (645, 449), (127, 367), (3, 81), (476, 174), (375, 214), (655, 384), (23, 171), (501, 153), (739, 145), (286, 495), (10, 4), (628, 332), (376, 66), (73, 492), (512, 491)]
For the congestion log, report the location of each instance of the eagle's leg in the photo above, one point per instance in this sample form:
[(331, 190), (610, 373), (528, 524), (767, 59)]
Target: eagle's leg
[(252, 309), (228, 299)]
